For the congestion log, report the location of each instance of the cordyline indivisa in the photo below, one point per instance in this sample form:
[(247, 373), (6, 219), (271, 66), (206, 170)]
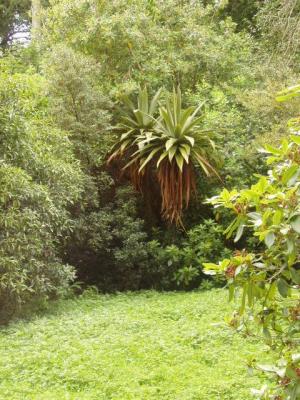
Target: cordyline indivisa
[(166, 140)]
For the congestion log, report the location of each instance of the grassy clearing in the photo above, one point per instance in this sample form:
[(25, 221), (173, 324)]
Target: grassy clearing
[(128, 346)]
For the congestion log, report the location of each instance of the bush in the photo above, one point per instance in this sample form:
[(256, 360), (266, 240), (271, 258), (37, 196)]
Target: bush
[(78, 103), (112, 250), (268, 279), (108, 245), (180, 266), (39, 180)]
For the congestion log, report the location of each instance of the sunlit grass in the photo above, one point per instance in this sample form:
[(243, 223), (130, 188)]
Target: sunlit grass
[(128, 346)]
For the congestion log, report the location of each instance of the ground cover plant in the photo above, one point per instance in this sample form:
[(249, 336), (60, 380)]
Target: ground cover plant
[(128, 346)]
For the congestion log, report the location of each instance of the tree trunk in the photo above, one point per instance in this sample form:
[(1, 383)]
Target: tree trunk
[(36, 18)]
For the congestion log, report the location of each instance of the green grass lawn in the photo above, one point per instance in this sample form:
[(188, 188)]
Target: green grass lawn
[(129, 346)]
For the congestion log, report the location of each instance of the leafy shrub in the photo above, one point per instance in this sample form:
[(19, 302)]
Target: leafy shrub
[(185, 40), (104, 54), (268, 279), (39, 180), (181, 265), (78, 104), (108, 245)]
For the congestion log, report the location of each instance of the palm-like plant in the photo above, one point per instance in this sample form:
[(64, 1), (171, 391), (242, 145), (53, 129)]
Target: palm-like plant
[(137, 122), (175, 144)]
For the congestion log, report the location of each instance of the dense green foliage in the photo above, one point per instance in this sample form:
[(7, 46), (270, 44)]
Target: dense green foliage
[(105, 56), (269, 279), (128, 346), (40, 179), (78, 104), (279, 23), (116, 120), (78, 126)]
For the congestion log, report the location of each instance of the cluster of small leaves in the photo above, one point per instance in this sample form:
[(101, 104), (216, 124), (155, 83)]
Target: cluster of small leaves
[(201, 242), (269, 279)]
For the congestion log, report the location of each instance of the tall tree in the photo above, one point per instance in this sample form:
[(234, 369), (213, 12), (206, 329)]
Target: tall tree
[(279, 21)]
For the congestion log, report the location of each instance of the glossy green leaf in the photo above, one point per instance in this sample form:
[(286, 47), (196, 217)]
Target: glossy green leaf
[(283, 287), (170, 143), (179, 161), (239, 232), (270, 239), (172, 152), (295, 223), (184, 154)]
